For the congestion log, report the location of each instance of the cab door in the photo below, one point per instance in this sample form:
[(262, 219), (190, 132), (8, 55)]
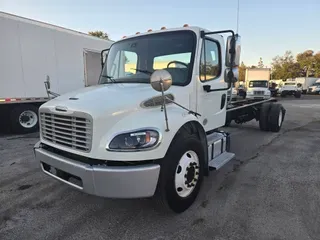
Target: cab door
[(212, 105)]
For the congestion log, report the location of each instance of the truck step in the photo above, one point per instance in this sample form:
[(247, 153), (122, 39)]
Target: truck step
[(220, 160)]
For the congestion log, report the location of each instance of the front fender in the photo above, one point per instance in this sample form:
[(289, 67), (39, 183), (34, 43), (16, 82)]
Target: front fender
[(145, 118)]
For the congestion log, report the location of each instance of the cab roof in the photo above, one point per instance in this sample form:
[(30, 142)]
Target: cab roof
[(195, 29)]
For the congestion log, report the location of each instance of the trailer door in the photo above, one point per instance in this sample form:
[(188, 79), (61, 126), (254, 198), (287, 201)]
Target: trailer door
[(92, 67)]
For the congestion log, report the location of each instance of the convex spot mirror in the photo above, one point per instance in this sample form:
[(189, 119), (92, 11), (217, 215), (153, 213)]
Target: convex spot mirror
[(231, 75), (233, 46), (158, 77)]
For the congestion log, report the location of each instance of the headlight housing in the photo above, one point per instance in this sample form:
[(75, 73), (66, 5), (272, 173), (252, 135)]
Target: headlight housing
[(136, 140)]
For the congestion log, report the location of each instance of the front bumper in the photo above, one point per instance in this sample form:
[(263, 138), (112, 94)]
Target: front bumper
[(104, 181)]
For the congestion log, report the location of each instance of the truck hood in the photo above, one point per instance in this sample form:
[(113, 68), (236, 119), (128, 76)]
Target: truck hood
[(100, 99)]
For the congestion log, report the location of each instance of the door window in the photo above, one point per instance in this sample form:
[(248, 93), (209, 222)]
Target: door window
[(210, 64)]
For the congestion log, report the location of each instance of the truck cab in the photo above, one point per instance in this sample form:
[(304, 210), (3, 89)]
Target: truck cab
[(315, 88), (154, 132), (291, 88), (258, 89)]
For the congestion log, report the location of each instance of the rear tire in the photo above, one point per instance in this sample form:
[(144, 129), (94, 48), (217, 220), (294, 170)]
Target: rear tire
[(173, 192), (24, 119), (264, 116), (276, 117)]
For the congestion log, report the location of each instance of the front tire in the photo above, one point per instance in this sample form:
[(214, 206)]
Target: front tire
[(181, 173)]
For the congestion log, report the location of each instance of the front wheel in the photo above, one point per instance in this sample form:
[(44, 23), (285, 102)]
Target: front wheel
[(181, 173)]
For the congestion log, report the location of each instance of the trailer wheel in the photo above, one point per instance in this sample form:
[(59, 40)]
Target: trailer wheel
[(181, 173), (276, 117), (297, 94), (264, 116), (24, 119)]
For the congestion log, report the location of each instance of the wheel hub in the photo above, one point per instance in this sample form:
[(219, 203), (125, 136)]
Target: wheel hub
[(28, 119), (187, 174)]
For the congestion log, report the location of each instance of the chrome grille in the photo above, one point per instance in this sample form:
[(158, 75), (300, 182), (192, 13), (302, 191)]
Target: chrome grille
[(258, 92), (69, 131)]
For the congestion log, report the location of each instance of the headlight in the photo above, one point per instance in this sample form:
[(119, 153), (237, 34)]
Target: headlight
[(135, 140), (249, 92), (267, 93)]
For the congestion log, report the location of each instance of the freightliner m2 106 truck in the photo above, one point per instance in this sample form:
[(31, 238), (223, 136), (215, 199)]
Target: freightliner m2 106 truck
[(151, 128)]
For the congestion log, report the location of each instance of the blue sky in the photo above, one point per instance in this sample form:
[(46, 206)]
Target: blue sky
[(267, 27)]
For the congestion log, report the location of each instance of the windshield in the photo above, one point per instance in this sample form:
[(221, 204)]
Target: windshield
[(134, 60), (316, 84), (258, 84)]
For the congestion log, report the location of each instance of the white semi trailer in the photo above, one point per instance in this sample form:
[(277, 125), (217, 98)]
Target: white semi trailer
[(31, 50), (156, 131)]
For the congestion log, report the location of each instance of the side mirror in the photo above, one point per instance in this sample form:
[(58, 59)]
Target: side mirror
[(161, 80), (103, 56), (233, 45), (47, 82)]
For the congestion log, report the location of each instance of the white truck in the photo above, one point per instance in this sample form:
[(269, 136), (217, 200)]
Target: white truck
[(315, 87), (257, 83), (155, 132), (290, 88), (31, 50), (306, 83)]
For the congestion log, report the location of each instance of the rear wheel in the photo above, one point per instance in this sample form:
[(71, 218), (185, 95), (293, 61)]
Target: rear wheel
[(181, 173), (24, 118), (264, 116), (276, 117)]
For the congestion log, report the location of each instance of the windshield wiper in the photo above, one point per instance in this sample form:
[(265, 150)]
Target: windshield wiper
[(143, 71), (109, 77)]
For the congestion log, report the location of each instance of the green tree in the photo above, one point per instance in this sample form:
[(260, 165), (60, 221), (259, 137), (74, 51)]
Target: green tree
[(285, 66), (242, 72), (260, 63), (317, 64), (307, 63), (99, 34)]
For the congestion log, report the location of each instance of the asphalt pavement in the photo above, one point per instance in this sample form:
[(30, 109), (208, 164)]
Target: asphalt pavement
[(271, 190)]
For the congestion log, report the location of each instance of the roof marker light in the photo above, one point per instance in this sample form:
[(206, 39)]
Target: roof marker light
[(150, 30), (163, 28), (185, 25), (137, 32)]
